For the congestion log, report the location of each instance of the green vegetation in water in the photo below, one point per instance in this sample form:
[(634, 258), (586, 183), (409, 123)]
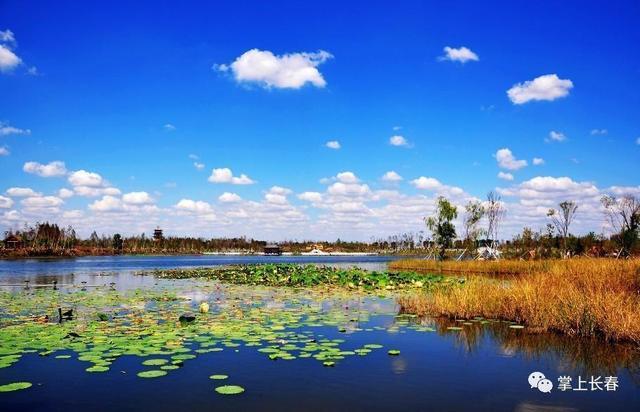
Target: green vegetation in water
[(16, 386), (152, 374), (218, 377), (308, 275), (230, 389), (283, 324), (155, 362), (394, 352)]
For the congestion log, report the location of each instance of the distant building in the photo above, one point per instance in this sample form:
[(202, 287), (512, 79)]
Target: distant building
[(12, 242), (272, 250), (157, 234)]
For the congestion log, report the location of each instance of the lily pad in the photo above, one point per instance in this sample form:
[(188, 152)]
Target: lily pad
[(97, 368), (218, 377), (152, 374), (16, 386), (230, 390), (155, 362), (394, 352), (372, 346)]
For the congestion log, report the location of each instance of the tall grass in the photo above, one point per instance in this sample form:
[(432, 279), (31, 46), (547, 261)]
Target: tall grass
[(490, 267), (586, 297)]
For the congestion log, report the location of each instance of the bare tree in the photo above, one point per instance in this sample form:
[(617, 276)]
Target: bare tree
[(495, 212), (474, 211), (624, 216), (562, 219)]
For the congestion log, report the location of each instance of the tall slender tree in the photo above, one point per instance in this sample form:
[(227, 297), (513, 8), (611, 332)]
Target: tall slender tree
[(473, 213), (495, 212), (441, 226), (623, 215), (562, 219)]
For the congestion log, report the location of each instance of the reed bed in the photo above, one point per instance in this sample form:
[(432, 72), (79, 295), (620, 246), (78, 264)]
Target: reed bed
[(584, 297), (489, 267)]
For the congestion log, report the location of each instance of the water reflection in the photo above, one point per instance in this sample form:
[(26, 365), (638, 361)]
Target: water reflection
[(587, 356)]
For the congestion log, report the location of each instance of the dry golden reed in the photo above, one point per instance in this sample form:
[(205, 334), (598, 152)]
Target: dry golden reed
[(587, 297)]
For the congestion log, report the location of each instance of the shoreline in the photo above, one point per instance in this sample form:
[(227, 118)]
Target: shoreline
[(161, 254)]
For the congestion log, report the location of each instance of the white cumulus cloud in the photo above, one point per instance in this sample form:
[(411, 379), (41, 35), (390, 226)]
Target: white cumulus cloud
[(288, 71), (347, 177), (228, 197), (52, 169), (107, 204), (7, 129), (398, 140), (194, 206), (310, 196), (537, 161), (8, 59), (137, 198), (5, 202), (4, 151), (42, 202), (87, 191), (426, 183), (22, 192), (547, 87), (65, 193), (391, 176), (84, 178), (506, 160), (556, 137), (505, 176), (225, 175), (333, 144), (461, 54), (7, 36)]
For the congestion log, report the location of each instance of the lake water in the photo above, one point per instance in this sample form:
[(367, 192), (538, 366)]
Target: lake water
[(103, 270), (482, 367)]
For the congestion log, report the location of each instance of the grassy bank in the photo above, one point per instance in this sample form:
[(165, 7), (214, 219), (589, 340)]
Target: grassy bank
[(489, 267), (586, 297)]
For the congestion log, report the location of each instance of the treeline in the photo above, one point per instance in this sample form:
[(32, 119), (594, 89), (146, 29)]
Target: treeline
[(49, 239), (482, 222)]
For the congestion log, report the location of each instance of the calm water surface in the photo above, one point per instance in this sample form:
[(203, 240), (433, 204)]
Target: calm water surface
[(481, 368), (102, 270)]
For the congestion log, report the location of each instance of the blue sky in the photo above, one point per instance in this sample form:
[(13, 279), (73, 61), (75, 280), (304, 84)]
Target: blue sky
[(137, 94)]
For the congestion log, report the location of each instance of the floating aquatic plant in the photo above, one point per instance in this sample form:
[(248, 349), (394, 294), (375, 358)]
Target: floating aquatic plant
[(306, 275), (218, 377), (97, 369), (230, 389), (16, 386), (284, 324), (152, 374), (155, 362)]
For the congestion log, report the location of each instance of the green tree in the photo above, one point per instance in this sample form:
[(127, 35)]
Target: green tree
[(474, 211), (624, 217), (117, 242), (441, 226), (562, 219)]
